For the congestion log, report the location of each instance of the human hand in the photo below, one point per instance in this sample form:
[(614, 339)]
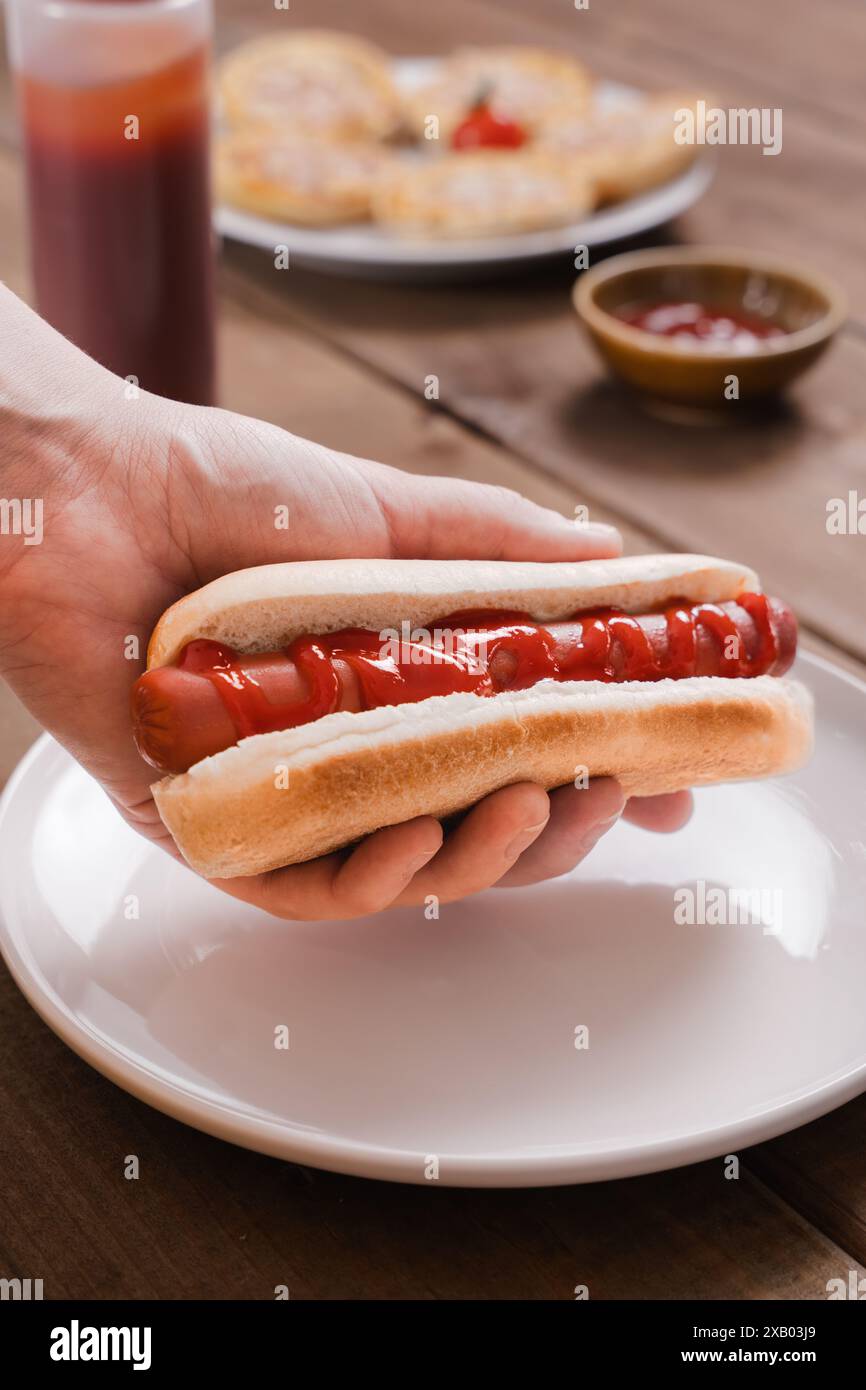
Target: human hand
[(146, 499)]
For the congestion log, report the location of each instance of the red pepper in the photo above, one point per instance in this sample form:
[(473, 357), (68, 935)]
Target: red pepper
[(483, 129)]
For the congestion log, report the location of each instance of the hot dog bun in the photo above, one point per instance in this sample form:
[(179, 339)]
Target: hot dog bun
[(283, 798), (260, 609)]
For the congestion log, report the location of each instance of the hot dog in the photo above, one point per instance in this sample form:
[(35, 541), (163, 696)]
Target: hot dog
[(297, 707), (202, 705)]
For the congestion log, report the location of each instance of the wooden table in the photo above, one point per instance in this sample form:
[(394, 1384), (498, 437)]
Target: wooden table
[(523, 403)]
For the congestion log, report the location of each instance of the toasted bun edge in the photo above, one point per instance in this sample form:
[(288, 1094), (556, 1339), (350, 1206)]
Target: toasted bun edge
[(279, 799)]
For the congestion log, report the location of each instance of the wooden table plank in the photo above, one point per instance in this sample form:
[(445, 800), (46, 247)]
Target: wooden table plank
[(782, 51), (346, 364), (524, 375), (783, 203), (819, 1170), (779, 203), (208, 1220)]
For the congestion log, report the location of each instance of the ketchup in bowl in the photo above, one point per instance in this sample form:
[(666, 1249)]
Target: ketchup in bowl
[(702, 325)]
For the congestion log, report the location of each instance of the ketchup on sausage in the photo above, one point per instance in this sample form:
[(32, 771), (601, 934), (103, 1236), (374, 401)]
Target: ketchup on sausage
[(214, 696)]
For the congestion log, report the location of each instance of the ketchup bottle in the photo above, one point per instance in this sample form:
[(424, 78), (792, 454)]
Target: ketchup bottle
[(115, 111)]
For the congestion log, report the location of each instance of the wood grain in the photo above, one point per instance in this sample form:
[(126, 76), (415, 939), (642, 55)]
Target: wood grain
[(776, 49), (525, 404), (782, 203), (208, 1220), (525, 376), (819, 1170)]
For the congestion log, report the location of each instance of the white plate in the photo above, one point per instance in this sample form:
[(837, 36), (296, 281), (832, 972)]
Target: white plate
[(362, 248), (455, 1039)]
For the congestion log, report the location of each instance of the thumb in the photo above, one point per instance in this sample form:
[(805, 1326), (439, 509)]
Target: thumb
[(453, 518)]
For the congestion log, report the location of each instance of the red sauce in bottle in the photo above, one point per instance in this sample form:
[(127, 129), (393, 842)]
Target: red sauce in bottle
[(121, 241), (708, 326), (394, 672)]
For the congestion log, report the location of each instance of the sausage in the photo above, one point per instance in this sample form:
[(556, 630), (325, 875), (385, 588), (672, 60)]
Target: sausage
[(180, 717)]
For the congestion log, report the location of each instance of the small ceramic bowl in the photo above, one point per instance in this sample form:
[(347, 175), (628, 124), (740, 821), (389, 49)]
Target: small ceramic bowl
[(807, 307)]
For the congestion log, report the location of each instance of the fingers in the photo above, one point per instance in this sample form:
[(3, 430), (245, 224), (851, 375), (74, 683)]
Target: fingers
[(145, 818), (578, 819), (662, 813), (484, 845), (400, 865), (514, 837), (338, 886), (447, 518)]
